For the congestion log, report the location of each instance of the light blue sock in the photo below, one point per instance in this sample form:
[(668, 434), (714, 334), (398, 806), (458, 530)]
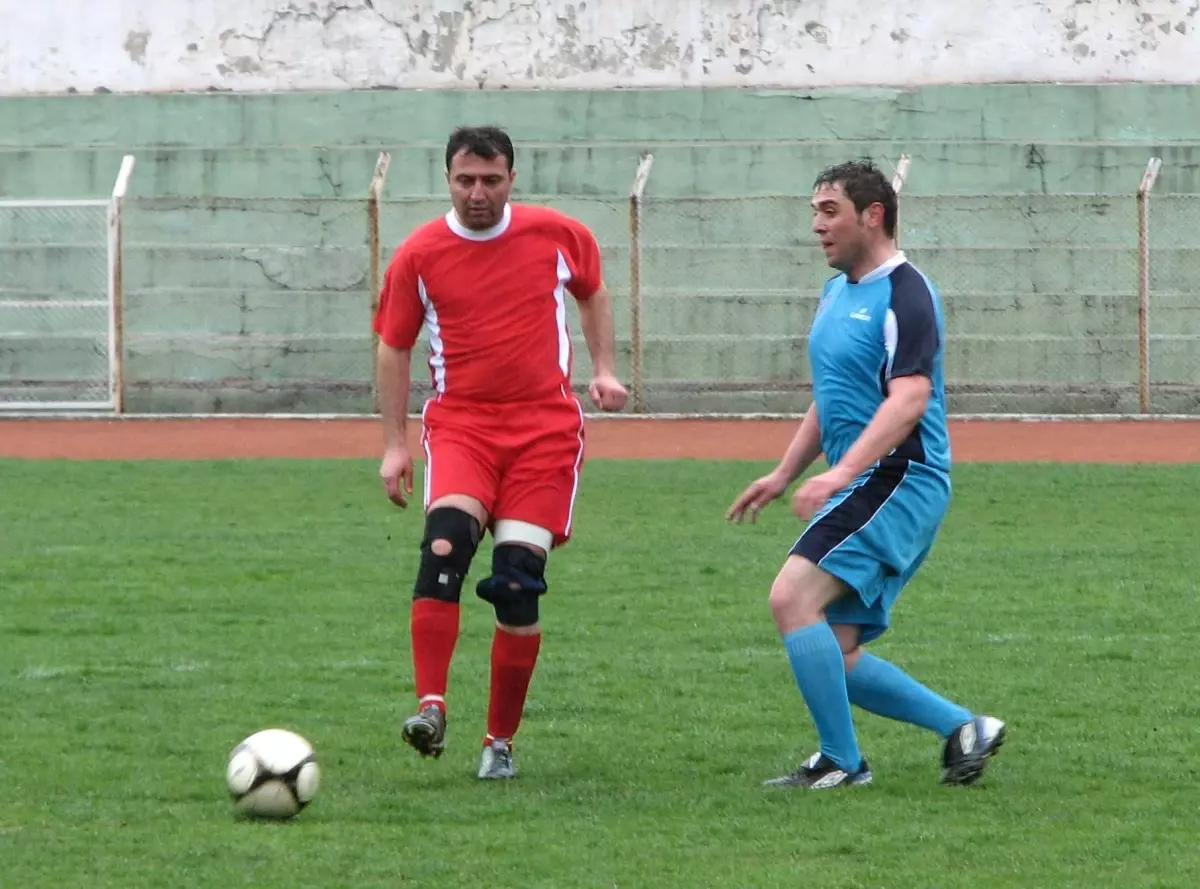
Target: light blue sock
[(886, 690), (820, 673)]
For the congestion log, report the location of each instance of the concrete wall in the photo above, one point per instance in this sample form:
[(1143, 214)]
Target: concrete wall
[(188, 45), (247, 284), (1007, 138)]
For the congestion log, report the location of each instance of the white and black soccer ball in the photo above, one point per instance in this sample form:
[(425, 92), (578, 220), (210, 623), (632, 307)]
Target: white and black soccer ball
[(272, 774)]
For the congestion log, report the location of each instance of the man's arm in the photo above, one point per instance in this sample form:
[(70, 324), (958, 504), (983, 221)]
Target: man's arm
[(893, 422), (804, 448), (595, 314), (393, 379), (596, 319), (397, 321)]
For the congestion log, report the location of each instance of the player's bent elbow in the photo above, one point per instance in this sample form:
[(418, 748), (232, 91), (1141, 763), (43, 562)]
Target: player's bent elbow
[(912, 392)]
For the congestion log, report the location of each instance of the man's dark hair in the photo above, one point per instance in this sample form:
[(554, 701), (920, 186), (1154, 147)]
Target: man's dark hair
[(484, 142), (864, 184)]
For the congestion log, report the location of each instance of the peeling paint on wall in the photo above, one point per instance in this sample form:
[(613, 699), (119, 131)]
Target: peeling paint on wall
[(250, 45)]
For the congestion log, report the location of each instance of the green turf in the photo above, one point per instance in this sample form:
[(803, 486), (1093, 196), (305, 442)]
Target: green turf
[(154, 614)]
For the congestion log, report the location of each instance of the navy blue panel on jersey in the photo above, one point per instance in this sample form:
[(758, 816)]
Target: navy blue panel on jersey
[(916, 344)]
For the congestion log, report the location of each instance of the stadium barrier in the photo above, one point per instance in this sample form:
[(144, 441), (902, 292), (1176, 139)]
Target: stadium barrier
[(1055, 304)]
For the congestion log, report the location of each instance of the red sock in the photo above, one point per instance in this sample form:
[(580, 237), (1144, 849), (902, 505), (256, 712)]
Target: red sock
[(434, 627), (513, 659)]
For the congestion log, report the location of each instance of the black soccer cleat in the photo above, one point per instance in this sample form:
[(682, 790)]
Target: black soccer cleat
[(968, 749), (425, 731), (819, 772)]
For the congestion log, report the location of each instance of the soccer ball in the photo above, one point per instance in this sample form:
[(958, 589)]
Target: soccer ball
[(272, 774)]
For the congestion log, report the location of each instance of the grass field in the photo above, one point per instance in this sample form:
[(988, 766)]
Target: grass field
[(154, 614)]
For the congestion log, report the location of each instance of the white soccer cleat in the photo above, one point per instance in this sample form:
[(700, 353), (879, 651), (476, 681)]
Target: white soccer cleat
[(496, 761), (819, 772)]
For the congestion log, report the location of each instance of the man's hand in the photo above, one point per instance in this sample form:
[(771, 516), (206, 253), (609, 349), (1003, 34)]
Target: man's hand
[(813, 494), (397, 474), (761, 492), (607, 392)]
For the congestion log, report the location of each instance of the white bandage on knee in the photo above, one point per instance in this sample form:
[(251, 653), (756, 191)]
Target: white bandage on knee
[(514, 531)]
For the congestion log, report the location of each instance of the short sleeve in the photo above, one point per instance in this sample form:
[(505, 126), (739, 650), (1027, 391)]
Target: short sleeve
[(401, 313), (584, 251), (911, 327)]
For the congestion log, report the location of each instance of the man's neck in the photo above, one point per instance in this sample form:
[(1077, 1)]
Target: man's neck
[(873, 259)]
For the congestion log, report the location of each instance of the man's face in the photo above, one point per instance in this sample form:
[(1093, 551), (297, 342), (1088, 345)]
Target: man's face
[(479, 188), (844, 232)]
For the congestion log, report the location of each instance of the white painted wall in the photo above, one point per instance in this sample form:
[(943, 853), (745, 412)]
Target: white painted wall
[(51, 46)]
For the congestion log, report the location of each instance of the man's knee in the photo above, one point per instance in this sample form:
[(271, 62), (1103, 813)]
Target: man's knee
[(801, 592), (451, 539), (516, 585)]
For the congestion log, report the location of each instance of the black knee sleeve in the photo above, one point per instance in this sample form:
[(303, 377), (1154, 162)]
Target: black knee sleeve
[(517, 581), (441, 577)]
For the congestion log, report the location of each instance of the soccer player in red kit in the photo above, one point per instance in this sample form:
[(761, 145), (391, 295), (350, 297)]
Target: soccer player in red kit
[(503, 432)]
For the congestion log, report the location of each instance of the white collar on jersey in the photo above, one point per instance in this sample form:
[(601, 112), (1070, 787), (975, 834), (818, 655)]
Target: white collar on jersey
[(487, 234), (884, 269)]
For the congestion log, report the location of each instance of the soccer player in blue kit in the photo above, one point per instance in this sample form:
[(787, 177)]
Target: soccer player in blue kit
[(879, 416)]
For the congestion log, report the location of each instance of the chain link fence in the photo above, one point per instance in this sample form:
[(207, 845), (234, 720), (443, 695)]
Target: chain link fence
[(56, 345), (1041, 299), (236, 305), (1040, 294), (1173, 304), (1054, 304), (728, 288)]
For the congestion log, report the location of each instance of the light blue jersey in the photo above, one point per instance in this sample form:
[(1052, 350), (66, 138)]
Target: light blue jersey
[(875, 533), (866, 333)]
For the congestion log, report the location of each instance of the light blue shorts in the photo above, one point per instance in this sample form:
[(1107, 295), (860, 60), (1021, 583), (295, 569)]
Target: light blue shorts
[(874, 535)]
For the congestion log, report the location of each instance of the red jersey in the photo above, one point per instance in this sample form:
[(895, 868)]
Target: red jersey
[(494, 301)]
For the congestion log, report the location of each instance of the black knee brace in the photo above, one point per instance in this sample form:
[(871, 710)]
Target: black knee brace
[(441, 577), (518, 579)]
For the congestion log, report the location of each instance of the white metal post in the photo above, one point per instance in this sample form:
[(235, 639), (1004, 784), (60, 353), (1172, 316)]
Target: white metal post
[(1143, 206), (636, 194), (116, 287)]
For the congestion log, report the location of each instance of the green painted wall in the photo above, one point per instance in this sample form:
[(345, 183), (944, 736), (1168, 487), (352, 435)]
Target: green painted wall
[(265, 305), (965, 139)]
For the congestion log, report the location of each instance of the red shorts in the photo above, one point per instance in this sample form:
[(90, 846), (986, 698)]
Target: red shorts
[(521, 461)]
